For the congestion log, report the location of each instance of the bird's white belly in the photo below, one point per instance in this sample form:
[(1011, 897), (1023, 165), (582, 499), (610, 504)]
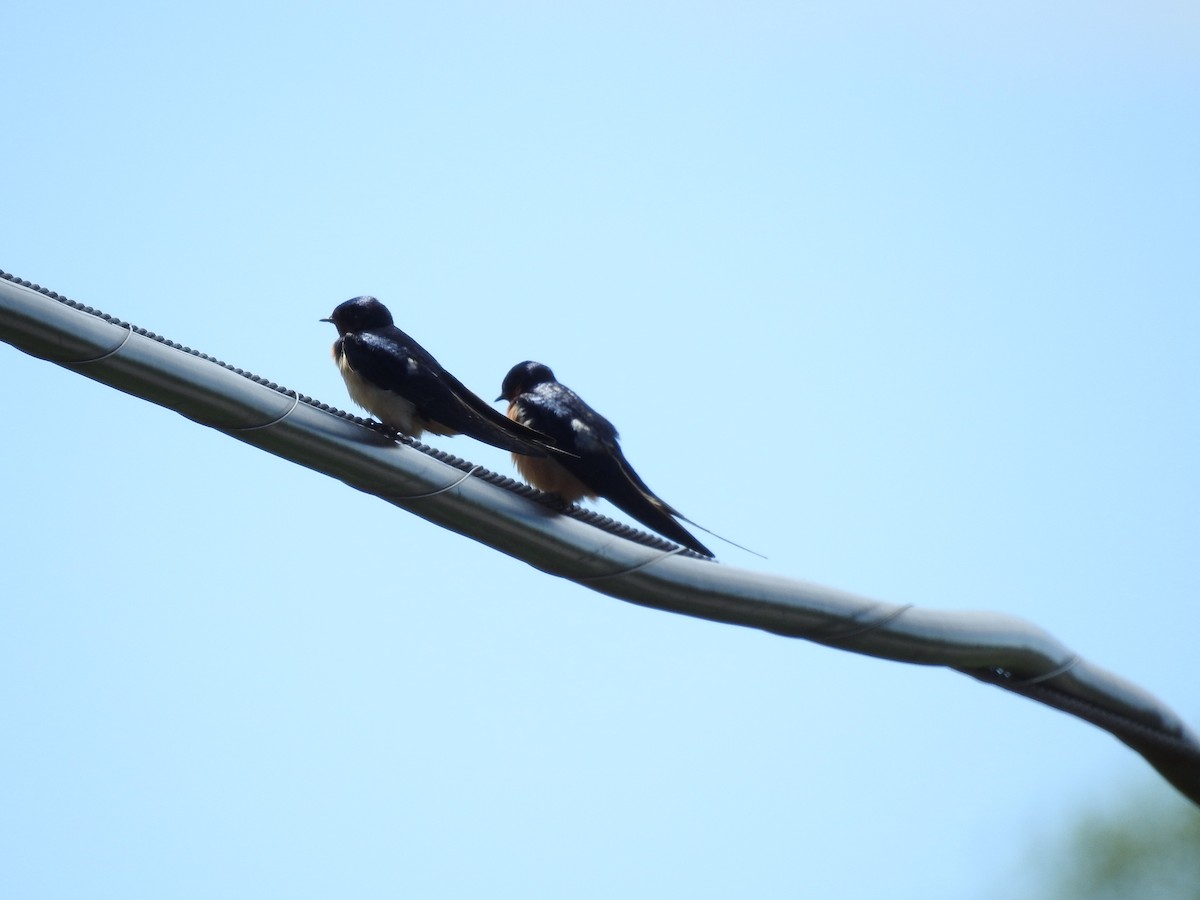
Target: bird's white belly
[(391, 409)]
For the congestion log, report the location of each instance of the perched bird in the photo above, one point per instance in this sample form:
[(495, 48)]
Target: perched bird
[(395, 378), (598, 468)]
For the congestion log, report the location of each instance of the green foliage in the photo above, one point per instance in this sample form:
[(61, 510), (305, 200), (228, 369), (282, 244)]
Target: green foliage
[(1144, 848)]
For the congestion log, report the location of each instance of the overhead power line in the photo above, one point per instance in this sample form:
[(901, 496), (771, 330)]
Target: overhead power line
[(589, 549)]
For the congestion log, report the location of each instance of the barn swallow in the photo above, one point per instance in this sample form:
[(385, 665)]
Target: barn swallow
[(598, 468), (395, 378)]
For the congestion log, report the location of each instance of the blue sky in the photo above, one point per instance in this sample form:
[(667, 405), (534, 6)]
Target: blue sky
[(905, 299)]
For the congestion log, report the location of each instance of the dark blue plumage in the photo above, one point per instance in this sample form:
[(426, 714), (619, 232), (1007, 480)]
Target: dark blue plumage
[(597, 467), (395, 378)]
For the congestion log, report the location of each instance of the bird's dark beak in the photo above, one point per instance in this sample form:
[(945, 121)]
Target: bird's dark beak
[(330, 321), (498, 399)]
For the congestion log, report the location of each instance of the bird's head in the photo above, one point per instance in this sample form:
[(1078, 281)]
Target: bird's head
[(522, 377), (360, 314)]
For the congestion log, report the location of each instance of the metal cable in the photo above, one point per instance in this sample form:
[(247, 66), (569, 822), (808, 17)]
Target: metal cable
[(581, 545)]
